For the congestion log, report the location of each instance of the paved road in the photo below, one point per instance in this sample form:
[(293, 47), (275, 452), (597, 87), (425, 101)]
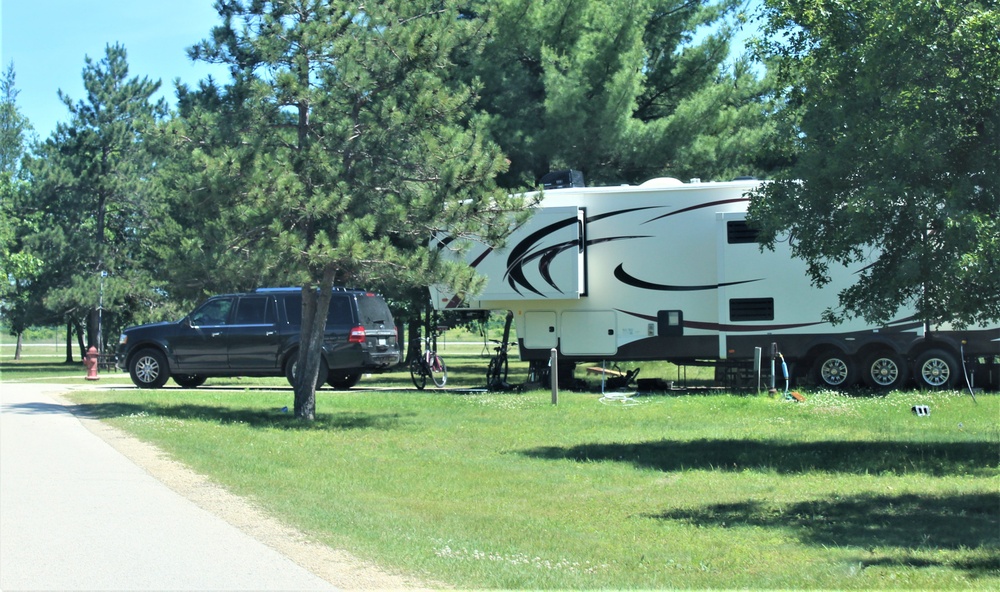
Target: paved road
[(75, 514)]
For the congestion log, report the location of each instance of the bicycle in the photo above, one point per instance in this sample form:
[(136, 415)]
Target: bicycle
[(496, 372), (620, 380), (428, 364)]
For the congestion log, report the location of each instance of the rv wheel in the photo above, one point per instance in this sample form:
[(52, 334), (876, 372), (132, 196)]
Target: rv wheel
[(884, 370), (834, 369), (936, 369)]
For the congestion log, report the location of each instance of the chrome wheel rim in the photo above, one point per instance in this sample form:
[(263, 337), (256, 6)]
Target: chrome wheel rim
[(834, 371), (935, 372), (147, 369), (884, 371)]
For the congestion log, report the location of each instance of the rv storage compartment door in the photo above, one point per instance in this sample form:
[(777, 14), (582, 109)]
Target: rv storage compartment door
[(540, 330), (587, 333), (544, 259)]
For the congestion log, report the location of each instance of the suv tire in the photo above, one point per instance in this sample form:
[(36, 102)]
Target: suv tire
[(189, 380), (342, 381), (292, 365), (148, 369)]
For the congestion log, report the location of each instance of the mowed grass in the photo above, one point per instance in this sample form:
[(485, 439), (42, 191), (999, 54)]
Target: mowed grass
[(506, 490)]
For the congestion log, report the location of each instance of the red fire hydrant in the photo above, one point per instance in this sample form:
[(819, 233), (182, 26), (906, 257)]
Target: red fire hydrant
[(90, 363)]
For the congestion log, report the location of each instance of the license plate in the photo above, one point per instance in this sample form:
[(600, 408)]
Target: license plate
[(381, 341)]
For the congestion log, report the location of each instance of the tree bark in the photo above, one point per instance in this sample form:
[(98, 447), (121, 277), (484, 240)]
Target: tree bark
[(79, 336), (315, 308), (20, 343), (69, 341), (413, 340), (93, 318)]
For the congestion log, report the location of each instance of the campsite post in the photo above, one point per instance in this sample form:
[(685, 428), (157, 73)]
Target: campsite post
[(554, 375)]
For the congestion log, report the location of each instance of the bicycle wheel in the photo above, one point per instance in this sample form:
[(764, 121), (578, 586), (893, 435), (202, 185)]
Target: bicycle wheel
[(439, 372), (417, 373)]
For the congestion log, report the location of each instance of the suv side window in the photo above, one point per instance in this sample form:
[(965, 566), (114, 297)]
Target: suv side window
[(212, 313), (255, 310), (339, 312), (293, 309)]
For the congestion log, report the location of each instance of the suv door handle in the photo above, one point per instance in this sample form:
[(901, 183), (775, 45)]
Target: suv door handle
[(216, 334), (270, 333)]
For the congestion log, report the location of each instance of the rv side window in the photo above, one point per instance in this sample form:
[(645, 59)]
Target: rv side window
[(738, 232), (751, 309), (669, 322)]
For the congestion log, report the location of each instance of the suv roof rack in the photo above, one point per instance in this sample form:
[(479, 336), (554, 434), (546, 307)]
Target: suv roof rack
[(298, 289)]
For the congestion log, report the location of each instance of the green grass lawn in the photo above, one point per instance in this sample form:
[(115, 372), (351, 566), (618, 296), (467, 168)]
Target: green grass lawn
[(505, 490)]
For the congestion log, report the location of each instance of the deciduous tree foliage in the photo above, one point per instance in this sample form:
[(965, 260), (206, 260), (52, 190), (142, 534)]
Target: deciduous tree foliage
[(15, 132), (354, 146), (894, 115), (15, 129)]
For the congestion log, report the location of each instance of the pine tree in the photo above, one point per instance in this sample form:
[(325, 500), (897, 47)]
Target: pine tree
[(90, 183), (354, 146), (623, 90)]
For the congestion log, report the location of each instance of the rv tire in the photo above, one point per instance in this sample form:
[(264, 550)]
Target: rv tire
[(834, 369), (885, 370), (936, 369)]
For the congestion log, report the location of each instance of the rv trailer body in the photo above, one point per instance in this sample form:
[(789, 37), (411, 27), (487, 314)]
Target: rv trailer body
[(670, 271)]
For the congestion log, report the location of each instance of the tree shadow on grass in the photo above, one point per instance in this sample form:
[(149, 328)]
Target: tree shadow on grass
[(917, 526), (19, 367), (256, 418), (784, 457)]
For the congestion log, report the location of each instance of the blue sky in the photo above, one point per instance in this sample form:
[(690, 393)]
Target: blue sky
[(48, 39)]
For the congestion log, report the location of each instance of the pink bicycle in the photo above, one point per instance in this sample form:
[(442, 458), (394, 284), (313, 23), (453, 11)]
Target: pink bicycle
[(428, 364)]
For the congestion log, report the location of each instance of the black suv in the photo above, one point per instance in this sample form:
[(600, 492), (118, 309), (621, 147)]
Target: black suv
[(257, 334)]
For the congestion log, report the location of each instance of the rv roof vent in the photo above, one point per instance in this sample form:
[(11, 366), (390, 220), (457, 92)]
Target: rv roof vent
[(562, 179), (695, 180), (662, 182)]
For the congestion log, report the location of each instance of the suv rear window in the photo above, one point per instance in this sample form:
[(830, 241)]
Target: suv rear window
[(374, 310)]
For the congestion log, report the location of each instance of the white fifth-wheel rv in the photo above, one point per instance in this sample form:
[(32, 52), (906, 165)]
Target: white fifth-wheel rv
[(670, 271)]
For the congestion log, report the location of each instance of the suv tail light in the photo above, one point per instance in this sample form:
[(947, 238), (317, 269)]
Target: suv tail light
[(357, 335)]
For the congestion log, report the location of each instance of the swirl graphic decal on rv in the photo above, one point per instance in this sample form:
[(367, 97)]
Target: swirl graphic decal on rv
[(625, 278), (726, 327), (532, 249)]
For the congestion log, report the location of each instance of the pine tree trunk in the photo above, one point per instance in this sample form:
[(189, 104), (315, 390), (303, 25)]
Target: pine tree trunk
[(413, 340), (92, 332), (315, 308), (69, 341), (79, 336)]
